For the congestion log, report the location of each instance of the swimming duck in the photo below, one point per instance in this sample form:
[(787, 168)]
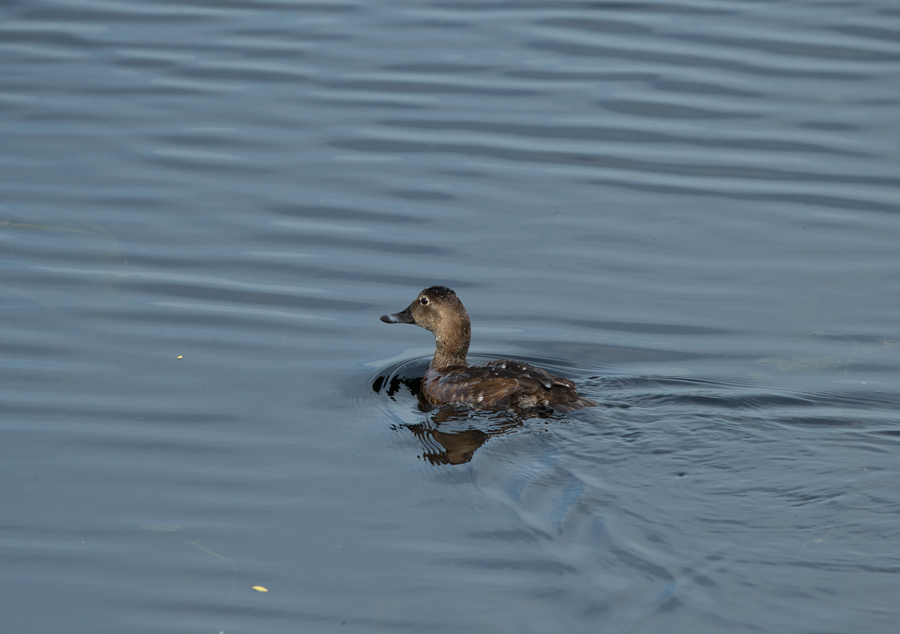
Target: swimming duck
[(501, 383)]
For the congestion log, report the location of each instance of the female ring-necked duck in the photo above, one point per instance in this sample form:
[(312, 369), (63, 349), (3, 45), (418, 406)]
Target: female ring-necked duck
[(502, 383)]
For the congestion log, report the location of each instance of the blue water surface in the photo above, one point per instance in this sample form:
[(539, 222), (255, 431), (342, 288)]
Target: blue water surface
[(691, 208)]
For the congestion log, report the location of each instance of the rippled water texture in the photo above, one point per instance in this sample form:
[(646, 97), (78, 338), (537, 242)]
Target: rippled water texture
[(692, 209)]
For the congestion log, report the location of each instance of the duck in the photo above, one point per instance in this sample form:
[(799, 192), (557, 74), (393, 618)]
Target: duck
[(500, 384)]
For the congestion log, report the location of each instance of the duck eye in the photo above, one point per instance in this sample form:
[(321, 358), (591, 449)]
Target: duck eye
[(423, 301)]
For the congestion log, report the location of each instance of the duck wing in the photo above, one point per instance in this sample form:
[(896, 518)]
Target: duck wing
[(505, 383), (539, 387), (474, 385)]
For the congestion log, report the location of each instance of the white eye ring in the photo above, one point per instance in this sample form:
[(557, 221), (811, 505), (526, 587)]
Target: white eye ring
[(423, 301)]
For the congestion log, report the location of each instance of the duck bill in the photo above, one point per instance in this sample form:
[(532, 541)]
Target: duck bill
[(403, 317)]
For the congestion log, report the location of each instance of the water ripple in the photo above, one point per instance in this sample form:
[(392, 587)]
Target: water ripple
[(689, 207)]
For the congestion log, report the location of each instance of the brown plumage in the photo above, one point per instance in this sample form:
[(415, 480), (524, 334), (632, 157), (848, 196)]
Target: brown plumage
[(502, 383)]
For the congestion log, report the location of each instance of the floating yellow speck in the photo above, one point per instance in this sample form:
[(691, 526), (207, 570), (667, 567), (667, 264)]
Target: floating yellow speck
[(260, 589), (178, 357)]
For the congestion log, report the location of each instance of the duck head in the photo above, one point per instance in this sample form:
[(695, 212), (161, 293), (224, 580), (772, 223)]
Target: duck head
[(439, 310)]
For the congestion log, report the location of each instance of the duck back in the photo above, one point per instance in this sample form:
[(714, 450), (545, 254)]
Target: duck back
[(502, 383)]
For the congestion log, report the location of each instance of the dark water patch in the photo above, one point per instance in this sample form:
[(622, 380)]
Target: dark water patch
[(391, 87), (694, 61), (236, 297), (647, 328), (538, 566), (341, 213), (735, 401), (275, 40), (367, 101), (831, 202), (323, 240), (525, 536), (432, 24), (878, 102), (438, 68), (568, 75), (800, 49), (165, 88), (278, 7), (551, 157), (867, 32), (130, 202), (15, 344), (820, 421), (699, 88), (618, 135), (638, 8), (594, 25), (422, 195), (851, 337), (204, 162), (113, 12), (565, 354), (830, 126), (870, 399), (241, 72), (60, 36), (199, 314), (211, 139), (671, 110), (71, 409)]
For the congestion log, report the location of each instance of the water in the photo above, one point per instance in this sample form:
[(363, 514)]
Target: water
[(689, 208)]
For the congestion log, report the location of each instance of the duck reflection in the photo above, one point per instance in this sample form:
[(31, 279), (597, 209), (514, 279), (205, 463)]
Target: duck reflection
[(450, 446), (450, 435)]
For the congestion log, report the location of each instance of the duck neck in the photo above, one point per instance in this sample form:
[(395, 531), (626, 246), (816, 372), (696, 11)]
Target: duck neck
[(452, 344)]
